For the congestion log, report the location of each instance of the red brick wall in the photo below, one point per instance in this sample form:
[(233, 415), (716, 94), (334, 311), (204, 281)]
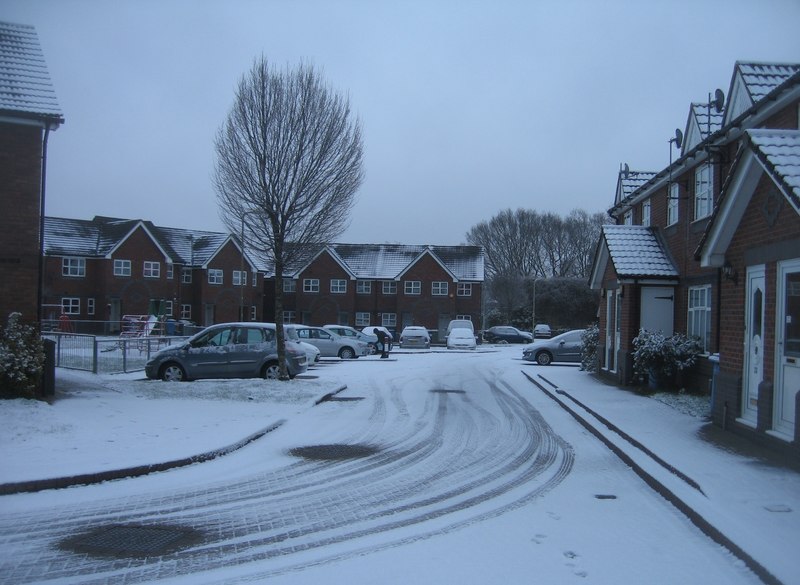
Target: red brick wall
[(20, 180)]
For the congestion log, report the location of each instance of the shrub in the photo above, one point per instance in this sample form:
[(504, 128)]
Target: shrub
[(21, 359), (589, 341), (660, 357)]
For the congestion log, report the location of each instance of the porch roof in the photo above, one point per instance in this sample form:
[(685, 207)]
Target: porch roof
[(635, 251)]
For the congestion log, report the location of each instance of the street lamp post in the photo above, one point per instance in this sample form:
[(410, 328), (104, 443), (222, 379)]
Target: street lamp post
[(533, 307)]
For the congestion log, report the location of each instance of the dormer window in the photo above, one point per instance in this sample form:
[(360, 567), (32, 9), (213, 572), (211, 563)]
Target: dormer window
[(646, 213), (703, 191), (627, 219)]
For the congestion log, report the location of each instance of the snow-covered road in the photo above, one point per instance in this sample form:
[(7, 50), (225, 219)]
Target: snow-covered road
[(436, 467)]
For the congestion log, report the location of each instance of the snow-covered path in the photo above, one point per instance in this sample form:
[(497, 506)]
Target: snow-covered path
[(437, 467)]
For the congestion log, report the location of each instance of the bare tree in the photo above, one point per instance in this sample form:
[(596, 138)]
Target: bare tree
[(289, 162)]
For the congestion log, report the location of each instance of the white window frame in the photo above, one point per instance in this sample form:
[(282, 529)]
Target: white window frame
[(73, 267), (364, 287), (627, 219), (464, 289), (389, 287), (289, 285), (463, 317), (253, 314), (168, 307), (186, 275), (362, 319), (412, 287), (216, 276), (698, 318), (440, 288), (389, 319), (151, 269), (646, 213), (338, 286), (672, 204), (703, 191), (71, 305), (122, 267), (290, 316), (90, 306), (311, 285), (170, 271), (186, 311), (240, 278)]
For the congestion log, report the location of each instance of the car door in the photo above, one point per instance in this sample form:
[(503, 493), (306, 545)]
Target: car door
[(569, 348), (326, 341), (251, 345), (208, 356)]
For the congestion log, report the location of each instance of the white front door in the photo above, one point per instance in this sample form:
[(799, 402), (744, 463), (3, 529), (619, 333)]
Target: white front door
[(787, 351), (753, 342)]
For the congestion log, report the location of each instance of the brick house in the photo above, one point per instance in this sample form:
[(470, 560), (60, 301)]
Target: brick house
[(99, 270), (29, 111), (710, 246), (386, 284)]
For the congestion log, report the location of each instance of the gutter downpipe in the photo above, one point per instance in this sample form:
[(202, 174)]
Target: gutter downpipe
[(40, 286)]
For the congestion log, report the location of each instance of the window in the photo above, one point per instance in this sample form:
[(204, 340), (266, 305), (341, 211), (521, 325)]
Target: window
[(702, 192), (122, 267), (362, 319), (364, 287), (389, 319), (170, 271), (253, 312), (389, 287), (90, 306), (255, 278), (289, 316), (186, 275), (289, 285), (239, 278), (672, 204), (627, 219), (413, 287), (338, 286), (73, 267), (463, 317), (699, 317), (311, 285), (646, 213), (215, 276), (464, 289), (152, 269), (439, 288), (71, 306), (186, 312)]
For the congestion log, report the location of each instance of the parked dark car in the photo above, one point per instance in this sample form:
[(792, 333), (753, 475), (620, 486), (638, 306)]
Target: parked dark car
[(561, 348), (226, 350), (506, 334)]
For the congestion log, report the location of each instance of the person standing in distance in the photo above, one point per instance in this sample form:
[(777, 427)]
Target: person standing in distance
[(383, 341)]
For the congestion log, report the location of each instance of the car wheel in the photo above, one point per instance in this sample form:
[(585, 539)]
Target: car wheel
[(543, 358), (272, 371), (347, 353), (172, 372)]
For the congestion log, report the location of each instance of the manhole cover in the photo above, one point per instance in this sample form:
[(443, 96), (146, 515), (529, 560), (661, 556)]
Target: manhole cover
[(132, 541), (445, 391), (334, 452)]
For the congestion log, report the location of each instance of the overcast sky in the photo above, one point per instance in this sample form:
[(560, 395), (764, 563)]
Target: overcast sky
[(468, 107)]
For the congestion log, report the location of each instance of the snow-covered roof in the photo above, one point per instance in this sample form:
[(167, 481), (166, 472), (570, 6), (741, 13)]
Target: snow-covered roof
[(752, 82), (635, 251), (703, 121), (775, 152), (26, 91), (629, 181)]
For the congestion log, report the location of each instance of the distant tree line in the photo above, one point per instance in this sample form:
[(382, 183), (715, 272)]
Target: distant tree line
[(525, 249)]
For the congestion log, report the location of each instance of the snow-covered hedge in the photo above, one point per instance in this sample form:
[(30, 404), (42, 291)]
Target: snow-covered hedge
[(660, 357), (589, 341), (21, 359)]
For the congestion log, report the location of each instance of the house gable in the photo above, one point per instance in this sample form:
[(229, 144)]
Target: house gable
[(423, 259)]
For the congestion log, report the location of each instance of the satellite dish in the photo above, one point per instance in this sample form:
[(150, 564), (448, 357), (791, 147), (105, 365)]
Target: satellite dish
[(678, 137), (719, 100)]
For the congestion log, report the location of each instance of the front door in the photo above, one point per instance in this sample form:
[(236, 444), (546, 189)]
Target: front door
[(611, 348), (657, 309), (753, 342), (787, 382)]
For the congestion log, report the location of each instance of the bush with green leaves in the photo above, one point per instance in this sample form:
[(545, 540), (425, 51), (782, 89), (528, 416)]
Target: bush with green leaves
[(589, 341), (656, 355), (21, 359)]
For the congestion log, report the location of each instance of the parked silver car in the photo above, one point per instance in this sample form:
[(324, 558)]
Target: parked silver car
[(415, 336), (345, 331), (561, 348), (330, 344), (226, 350)]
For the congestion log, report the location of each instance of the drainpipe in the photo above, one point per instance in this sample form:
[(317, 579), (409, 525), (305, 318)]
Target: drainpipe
[(40, 288)]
